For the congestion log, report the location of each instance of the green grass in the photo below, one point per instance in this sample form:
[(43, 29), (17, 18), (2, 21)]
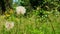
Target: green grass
[(32, 24)]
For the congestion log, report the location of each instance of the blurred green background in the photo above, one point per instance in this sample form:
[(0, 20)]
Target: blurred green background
[(44, 19)]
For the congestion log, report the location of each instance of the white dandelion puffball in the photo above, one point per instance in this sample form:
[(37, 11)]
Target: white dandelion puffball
[(20, 10), (9, 25)]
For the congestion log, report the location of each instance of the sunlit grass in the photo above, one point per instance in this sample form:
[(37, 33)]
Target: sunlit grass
[(32, 23)]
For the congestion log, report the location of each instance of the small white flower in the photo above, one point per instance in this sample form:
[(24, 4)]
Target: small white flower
[(9, 25), (20, 10)]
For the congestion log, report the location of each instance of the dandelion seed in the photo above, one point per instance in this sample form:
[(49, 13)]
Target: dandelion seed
[(9, 25), (20, 10)]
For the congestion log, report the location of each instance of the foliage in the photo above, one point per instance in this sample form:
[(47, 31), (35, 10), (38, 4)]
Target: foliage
[(45, 19)]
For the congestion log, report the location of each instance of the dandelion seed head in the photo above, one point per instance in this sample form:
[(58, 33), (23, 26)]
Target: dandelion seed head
[(20, 10), (9, 25)]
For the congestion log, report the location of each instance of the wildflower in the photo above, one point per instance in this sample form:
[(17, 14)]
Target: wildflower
[(7, 15), (11, 11), (9, 25), (20, 10)]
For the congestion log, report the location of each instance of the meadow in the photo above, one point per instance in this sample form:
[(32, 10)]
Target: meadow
[(32, 23), (27, 17)]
